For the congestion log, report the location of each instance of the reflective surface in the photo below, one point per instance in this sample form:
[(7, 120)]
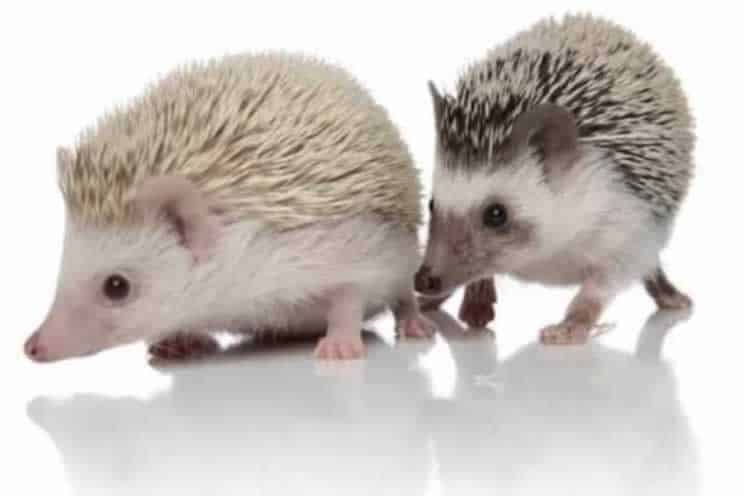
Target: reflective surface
[(448, 417)]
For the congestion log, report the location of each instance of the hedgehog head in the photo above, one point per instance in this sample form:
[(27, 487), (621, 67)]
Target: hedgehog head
[(497, 189), (131, 279)]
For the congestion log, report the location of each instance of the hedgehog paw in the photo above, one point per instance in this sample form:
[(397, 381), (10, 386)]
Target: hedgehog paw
[(476, 314), (340, 347), (416, 327), (184, 346), (674, 301), (476, 309), (566, 333)]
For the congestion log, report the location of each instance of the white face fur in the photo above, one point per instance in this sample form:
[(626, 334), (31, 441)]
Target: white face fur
[(483, 222), (116, 285), (514, 219)]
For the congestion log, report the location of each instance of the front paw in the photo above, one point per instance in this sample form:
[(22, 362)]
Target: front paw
[(476, 314), (566, 333), (416, 327), (476, 309), (340, 347)]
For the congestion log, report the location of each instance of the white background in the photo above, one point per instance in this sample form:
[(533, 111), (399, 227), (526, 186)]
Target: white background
[(461, 417)]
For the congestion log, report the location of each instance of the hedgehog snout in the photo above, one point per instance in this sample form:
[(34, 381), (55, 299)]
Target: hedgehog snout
[(34, 349), (425, 282)]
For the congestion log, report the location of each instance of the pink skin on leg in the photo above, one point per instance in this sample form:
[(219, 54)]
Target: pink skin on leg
[(477, 304), (409, 323), (583, 314), (343, 340), (184, 346)]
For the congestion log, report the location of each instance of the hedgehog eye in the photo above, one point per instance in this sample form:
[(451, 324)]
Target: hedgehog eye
[(494, 216), (116, 288)]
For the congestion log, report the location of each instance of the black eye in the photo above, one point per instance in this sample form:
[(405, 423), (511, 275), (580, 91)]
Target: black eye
[(495, 216), (431, 205), (116, 287)]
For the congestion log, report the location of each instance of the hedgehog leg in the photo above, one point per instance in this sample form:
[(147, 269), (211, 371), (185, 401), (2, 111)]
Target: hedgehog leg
[(343, 339), (184, 346), (664, 293), (409, 323), (581, 318), (476, 309)]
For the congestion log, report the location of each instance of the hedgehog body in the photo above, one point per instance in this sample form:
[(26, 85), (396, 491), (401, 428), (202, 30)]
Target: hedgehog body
[(562, 158), (254, 193)]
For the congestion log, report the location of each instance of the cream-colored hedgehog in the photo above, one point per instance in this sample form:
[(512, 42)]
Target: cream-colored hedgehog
[(256, 193), (563, 158)]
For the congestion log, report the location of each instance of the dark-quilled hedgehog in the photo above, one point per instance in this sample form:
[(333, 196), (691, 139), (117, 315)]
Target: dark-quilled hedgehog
[(562, 158)]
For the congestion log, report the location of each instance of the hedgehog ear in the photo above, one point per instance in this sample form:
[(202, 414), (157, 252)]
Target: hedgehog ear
[(179, 202), (553, 131), (437, 101)]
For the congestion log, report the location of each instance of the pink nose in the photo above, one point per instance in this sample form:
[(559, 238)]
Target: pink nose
[(34, 349)]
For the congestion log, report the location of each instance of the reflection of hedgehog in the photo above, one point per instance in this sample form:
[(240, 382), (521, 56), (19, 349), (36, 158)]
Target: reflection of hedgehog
[(279, 174), (258, 425), (581, 420), (562, 158)]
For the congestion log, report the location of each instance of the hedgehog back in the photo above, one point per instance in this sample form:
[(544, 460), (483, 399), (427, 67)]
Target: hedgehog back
[(280, 138), (626, 101)]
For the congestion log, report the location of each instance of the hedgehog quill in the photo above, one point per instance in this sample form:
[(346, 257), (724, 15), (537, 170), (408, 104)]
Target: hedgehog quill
[(562, 158), (262, 194)]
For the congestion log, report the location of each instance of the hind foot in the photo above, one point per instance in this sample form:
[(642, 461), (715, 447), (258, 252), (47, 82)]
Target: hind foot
[(476, 309), (184, 346), (664, 293), (677, 301), (347, 346)]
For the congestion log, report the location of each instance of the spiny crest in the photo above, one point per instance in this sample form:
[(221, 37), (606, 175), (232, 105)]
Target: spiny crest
[(281, 138), (474, 127), (625, 100)]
